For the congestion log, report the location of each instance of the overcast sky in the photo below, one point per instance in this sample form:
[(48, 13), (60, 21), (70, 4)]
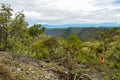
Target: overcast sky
[(68, 11)]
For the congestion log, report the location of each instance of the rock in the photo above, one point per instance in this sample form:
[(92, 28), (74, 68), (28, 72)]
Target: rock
[(15, 66)]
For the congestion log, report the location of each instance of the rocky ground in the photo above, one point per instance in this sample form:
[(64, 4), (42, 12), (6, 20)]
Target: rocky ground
[(18, 67)]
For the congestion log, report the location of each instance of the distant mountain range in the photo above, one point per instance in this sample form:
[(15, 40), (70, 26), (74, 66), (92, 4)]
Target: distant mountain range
[(83, 33), (81, 25)]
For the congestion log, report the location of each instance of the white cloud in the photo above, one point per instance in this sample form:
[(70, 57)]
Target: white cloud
[(68, 11), (74, 4)]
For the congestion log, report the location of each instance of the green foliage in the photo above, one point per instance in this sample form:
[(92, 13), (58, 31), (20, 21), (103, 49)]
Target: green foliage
[(36, 29), (116, 76), (38, 49), (73, 39), (5, 20), (71, 50), (46, 48)]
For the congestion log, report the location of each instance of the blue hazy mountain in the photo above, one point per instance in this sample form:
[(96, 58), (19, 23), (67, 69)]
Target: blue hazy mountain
[(81, 25)]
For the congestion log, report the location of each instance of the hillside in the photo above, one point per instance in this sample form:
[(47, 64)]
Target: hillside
[(55, 31), (83, 33), (18, 67)]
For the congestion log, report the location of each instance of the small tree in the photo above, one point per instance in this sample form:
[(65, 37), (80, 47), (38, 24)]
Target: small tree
[(71, 48), (36, 29), (5, 19), (52, 44)]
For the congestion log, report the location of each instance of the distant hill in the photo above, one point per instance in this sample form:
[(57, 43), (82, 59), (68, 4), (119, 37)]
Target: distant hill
[(81, 25), (55, 31), (83, 33)]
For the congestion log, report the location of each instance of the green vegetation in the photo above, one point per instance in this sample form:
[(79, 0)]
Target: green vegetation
[(78, 56)]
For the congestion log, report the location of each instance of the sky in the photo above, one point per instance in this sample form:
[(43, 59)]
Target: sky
[(68, 11)]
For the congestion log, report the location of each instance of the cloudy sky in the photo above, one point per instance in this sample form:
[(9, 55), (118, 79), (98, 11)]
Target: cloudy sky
[(68, 11)]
